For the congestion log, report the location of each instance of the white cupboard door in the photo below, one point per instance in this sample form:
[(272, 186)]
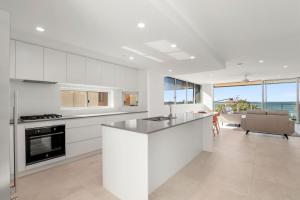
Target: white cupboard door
[(55, 65), (108, 75), (29, 61), (82, 147), (12, 59), (120, 77), (93, 72), (76, 69), (131, 77)]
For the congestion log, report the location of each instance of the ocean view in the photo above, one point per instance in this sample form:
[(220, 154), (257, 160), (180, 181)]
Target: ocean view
[(289, 106)]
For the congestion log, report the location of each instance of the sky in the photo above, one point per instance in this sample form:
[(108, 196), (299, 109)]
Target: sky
[(275, 92)]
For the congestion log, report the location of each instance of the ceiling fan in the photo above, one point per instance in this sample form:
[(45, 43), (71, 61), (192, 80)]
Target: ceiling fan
[(246, 78)]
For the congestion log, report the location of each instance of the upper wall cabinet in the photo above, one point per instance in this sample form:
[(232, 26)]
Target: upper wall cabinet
[(108, 75), (55, 65), (29, 61), (76, 69), (93, 71), (126, 78), (120, 78), (131, 76), (12, 59)]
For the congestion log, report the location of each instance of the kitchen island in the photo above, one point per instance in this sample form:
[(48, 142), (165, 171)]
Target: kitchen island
[(140, 155)]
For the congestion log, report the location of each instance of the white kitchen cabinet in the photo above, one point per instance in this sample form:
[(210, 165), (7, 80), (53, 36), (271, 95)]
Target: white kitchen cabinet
[(79, 148), (29, 61), (12, 59), (55, 65), (83, 133), (108, 75), (126, 78), (131, 77), (120, 77), (76, 69), (93, 72)]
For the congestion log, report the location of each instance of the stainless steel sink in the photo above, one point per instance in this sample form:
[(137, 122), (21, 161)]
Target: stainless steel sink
[(159, 118)]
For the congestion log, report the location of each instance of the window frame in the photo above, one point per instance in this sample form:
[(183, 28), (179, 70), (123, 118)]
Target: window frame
[(174, 91), (200, 89), (186, 92), (194, 97), (184, 84)]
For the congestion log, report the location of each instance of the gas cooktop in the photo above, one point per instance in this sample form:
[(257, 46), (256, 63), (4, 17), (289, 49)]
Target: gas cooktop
[(39, 117)]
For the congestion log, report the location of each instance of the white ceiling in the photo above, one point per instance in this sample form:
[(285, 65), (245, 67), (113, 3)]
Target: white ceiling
[(219, 34)]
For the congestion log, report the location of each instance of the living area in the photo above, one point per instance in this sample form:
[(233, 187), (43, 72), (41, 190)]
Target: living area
[(267, 107)]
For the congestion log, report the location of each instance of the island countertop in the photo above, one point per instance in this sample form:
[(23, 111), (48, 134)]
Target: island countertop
[(145, 126)]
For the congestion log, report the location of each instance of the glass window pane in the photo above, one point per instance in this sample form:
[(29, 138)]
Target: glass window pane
[(169, 90), (80, 99), (281, 95), (103, 99), (93, 99), (197, 93), (238, 98), (130, 98), (190, 92), (180, 92), (66, 98)]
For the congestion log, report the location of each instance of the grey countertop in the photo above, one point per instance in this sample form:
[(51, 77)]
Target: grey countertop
[(148, 126), (66, 117)]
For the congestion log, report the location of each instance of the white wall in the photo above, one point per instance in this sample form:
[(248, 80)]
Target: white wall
[(208, 96), (4, 105), (35, 98), (40, 98), (156, 97)]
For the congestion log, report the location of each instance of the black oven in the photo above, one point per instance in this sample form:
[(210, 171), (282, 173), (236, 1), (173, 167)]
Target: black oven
[(44, 143)]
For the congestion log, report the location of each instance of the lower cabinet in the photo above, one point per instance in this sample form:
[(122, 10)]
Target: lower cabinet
[(82, 147), (81, 140), (83, 136), (82, 133)]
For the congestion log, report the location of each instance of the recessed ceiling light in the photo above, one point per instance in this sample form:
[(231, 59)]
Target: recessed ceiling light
[(261, 61), (141, 25), (192, 57), (39, 29), (170, 70), (131, 58), (173, 45), (285, 66)]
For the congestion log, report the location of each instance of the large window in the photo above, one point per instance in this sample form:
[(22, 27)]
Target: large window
[(169, 90), (82, 99), (270, 95), (181, 92)]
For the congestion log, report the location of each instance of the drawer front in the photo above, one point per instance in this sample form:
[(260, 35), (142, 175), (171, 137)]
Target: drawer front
[(73, 123), (79, 148), (82, 133)]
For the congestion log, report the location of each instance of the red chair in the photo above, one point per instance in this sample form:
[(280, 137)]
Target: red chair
[(216, 126)]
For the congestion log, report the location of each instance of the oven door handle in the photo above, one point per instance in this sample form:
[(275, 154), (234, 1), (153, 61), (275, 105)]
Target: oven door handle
[(41, 136)]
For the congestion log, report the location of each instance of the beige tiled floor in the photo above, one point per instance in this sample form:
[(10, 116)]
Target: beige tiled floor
[(253, 167)]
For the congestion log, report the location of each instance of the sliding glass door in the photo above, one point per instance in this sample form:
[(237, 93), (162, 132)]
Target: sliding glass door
[(281, 95)]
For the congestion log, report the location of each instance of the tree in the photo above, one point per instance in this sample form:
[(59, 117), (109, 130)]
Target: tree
[(236, 105)]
